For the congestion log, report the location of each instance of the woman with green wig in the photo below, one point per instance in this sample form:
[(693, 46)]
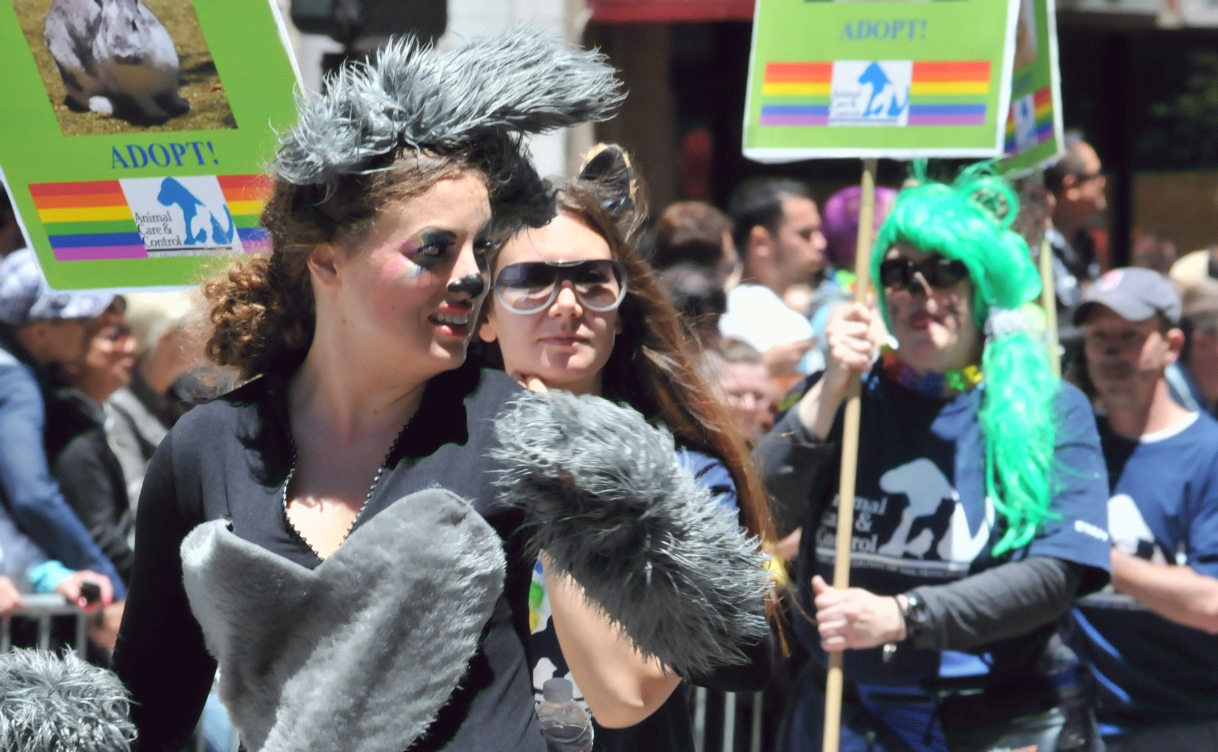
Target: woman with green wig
[(980, 507)]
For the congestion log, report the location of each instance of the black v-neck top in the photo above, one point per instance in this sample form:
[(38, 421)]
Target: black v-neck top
[(228, 459)]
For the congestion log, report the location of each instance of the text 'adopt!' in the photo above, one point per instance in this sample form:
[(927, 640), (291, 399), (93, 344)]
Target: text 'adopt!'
[(178, 154), (912, 30)]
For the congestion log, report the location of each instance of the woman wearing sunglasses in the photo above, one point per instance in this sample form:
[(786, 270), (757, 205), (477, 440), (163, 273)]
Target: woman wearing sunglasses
[(980, 503), (573, 307)]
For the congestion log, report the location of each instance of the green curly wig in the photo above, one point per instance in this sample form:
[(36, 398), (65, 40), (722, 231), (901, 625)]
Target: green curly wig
[(970, 222)]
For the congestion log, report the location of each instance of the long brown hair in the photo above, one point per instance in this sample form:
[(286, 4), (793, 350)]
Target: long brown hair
[(652, 370)]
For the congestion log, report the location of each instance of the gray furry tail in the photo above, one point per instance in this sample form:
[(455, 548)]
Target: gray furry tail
[(50, 703), (608, 501)]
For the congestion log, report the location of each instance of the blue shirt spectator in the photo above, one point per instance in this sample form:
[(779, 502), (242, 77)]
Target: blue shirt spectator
[(57, 324), (1149, 670), (1150, 638)]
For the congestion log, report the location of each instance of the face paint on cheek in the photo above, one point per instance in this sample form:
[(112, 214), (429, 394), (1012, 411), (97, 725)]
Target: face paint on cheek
[(410, 262)]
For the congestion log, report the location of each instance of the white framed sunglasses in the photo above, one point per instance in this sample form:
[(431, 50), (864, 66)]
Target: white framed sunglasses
[(531, 286)]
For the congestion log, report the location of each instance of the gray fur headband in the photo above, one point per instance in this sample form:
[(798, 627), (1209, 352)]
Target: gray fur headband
[(483, 96), (607, 499)]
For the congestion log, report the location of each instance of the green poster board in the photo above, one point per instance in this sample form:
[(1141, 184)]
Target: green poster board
[(893, 78), (1034, 125), (136, 133)]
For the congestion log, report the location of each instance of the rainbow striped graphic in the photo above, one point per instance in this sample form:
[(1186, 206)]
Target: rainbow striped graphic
[(796, 93), (949, 93), (88, 221), (1042, 100), (941, 93), (93, 221), (245, 195)]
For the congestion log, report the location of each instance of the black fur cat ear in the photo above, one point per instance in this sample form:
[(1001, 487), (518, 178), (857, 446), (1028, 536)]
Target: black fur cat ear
[(609, 168)]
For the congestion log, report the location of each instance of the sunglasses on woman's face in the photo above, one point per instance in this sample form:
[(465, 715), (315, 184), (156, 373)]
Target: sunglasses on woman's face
[(938, 272), (531, 286)]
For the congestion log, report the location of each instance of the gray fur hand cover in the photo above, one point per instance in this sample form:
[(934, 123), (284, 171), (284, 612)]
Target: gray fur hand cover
[(609, 503)]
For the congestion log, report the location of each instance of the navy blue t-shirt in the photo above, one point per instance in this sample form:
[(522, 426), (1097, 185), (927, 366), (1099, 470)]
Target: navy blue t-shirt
[(922, 517), (1164, 508)]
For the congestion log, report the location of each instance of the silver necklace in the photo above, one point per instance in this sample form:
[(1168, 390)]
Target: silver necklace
[(376, 479)]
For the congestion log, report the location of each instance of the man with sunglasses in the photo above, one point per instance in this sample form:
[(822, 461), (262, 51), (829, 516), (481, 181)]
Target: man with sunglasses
[(42, 332), (1150, 637), (1078, 186)]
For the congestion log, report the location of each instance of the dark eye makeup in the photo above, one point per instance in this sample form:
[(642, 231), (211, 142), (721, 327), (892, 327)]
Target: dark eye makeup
[(484, 243), (429, 247)]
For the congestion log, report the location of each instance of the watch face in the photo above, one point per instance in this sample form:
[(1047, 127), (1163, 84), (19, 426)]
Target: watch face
[(917, 610)]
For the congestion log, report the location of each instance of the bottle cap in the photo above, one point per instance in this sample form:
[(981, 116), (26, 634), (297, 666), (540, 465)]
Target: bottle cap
[(557, 690)]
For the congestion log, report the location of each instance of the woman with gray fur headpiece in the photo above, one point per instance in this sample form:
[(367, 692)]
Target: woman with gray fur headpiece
[(329, 533)]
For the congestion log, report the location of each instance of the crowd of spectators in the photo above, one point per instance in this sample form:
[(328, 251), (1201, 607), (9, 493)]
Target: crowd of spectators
[(83, 384), (90, 384), (1143, 344)]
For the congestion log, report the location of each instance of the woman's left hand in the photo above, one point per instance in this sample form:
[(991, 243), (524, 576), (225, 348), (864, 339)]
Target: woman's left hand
[(855, 618)]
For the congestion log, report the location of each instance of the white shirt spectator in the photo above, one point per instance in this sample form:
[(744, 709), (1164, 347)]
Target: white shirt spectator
[(756, 315)]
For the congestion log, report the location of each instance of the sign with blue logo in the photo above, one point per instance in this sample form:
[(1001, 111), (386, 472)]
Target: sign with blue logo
[(895, 79)]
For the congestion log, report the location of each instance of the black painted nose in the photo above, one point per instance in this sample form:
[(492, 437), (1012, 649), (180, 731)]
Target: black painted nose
[(474, 284)]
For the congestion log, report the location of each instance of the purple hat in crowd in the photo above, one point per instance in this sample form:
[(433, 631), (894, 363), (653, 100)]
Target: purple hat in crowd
[(840, 223)]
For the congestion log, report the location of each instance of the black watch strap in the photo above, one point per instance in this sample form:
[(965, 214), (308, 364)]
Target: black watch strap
[(916, 615)]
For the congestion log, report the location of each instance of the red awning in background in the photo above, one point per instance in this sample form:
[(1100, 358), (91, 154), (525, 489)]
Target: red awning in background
[(670, 11)]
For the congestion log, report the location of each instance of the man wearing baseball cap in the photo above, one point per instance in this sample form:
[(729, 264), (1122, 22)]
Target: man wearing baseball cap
[(1149, 636), (41, 332)]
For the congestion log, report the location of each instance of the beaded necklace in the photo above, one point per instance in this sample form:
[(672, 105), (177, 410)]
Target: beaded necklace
[(376, 479), (931, 384)]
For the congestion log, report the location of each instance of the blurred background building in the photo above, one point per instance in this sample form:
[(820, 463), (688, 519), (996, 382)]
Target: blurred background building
[(1140, 81)]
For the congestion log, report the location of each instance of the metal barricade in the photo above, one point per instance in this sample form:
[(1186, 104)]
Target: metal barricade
[(727, 720), (41, 609)]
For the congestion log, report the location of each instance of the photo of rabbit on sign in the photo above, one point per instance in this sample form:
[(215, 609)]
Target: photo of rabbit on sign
[(113, 66), (115, 55)]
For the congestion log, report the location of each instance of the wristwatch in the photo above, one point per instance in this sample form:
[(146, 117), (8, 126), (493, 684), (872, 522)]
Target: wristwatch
[(916, 616)]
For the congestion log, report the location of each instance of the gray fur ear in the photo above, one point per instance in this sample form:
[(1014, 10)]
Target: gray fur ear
[(608, 501), (520, 81)]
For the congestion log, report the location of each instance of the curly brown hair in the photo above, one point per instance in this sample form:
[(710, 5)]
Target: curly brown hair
[(262, 306)]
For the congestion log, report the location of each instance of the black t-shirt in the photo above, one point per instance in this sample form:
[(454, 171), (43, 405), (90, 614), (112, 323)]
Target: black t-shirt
[(228, 460), (89, 474)]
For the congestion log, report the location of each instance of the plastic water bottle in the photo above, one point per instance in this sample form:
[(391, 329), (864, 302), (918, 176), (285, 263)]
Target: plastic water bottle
[(565, 725)]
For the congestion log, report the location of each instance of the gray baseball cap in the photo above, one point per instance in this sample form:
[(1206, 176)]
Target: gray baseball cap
[(25, 296), (1134, 294)]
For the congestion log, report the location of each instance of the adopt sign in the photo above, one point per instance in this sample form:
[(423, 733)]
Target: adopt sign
[(136, 133), (893, 78), (1034, 125)]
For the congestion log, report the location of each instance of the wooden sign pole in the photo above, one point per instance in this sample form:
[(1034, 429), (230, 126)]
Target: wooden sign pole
[(850, 453), (1048, 301)]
